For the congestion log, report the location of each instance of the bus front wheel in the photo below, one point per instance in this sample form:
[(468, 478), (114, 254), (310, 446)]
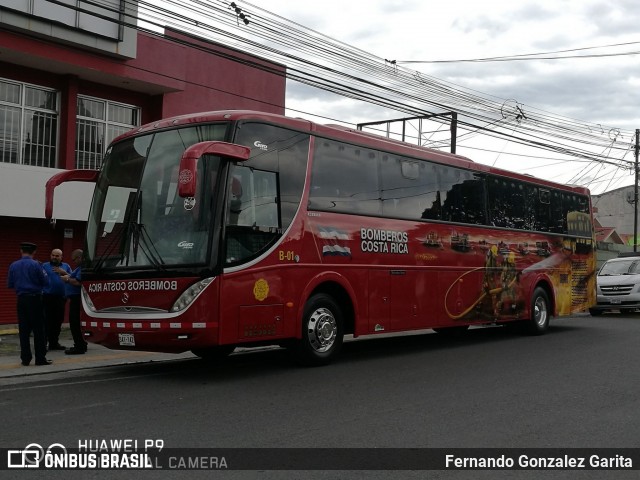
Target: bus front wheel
[(540, 312), (322, 331)]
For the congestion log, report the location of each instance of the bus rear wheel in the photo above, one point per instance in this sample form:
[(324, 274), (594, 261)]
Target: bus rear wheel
[(216, 353), (322, 331), (540, 312)]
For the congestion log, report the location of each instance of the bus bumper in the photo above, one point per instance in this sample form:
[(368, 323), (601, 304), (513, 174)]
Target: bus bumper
[(167, 337)]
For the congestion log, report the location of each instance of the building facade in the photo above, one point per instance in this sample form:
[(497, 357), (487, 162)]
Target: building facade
[(73, 76), (615, 209)]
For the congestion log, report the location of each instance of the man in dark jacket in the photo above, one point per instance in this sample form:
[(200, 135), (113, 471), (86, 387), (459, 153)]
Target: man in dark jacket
[(28, 279), (73, 289), (54, 298)]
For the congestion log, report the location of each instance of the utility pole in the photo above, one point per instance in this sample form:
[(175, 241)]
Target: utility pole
[(635, 193)]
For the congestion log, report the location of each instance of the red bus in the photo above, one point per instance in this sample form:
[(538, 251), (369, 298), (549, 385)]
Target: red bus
[(237, 228)]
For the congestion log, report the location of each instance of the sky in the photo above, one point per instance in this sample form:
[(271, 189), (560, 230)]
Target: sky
[(599, 90), (597, 93)]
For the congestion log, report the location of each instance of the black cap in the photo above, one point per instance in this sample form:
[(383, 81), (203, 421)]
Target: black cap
[(28, 247)]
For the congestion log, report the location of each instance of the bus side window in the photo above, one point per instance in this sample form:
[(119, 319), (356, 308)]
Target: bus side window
[(409, 188), (464, 197), (557, 219), (235, 200), (253, 220), (507, 201), (345, 179)]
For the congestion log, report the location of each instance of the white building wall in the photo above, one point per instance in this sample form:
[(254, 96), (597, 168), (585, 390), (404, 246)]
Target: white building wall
[(615, 209), (22, 194)]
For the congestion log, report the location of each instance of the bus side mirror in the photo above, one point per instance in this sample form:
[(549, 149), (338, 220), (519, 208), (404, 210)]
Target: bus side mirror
[(62, 177), (187, 175)]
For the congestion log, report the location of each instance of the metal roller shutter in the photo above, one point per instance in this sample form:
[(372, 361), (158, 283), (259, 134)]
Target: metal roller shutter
[(13, 232)]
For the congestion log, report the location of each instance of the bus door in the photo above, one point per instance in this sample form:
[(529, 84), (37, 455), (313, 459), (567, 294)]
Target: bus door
[(392, 300)]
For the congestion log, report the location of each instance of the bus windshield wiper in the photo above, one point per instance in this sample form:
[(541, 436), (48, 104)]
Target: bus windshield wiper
[(149, 249), (117, 238), (141, 238), (135, 227)]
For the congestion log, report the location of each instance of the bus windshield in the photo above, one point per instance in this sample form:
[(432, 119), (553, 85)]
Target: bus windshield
[(137, 219)]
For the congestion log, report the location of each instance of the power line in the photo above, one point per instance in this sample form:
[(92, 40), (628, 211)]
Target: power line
[(317, 60), (537, 56)]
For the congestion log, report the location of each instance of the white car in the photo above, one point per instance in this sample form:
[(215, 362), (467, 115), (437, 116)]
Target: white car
[(618, 285)]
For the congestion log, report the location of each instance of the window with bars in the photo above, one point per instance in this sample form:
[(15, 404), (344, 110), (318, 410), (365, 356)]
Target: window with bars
[(98, 122), (28, 124)]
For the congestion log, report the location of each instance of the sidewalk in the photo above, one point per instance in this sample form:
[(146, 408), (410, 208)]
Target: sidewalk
[(96, 356)]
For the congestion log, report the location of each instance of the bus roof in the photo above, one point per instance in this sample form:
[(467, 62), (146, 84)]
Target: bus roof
[(346, 134)]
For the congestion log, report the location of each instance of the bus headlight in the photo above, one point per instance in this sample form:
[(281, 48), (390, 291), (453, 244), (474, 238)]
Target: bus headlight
[(87, 301), (190, 294)]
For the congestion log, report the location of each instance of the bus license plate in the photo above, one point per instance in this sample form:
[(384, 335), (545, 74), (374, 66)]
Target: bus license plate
[(126, 340)]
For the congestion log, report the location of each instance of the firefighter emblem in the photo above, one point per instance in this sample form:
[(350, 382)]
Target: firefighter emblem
[(261, 289)]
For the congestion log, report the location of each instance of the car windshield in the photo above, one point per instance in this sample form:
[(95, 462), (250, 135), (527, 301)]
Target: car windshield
[(630, 266)]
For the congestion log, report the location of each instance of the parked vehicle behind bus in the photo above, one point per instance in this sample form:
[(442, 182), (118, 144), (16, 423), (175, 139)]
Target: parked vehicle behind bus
[(618, 285)]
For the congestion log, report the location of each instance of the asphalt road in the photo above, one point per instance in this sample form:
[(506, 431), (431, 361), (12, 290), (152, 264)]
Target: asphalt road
[(576, 387)]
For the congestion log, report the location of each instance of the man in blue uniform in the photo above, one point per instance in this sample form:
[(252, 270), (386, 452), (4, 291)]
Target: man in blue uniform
[(28, 279), (73, 289), (54, 298)]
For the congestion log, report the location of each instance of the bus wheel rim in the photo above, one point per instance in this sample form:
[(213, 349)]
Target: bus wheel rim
[(322, 330), (540, 311)]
